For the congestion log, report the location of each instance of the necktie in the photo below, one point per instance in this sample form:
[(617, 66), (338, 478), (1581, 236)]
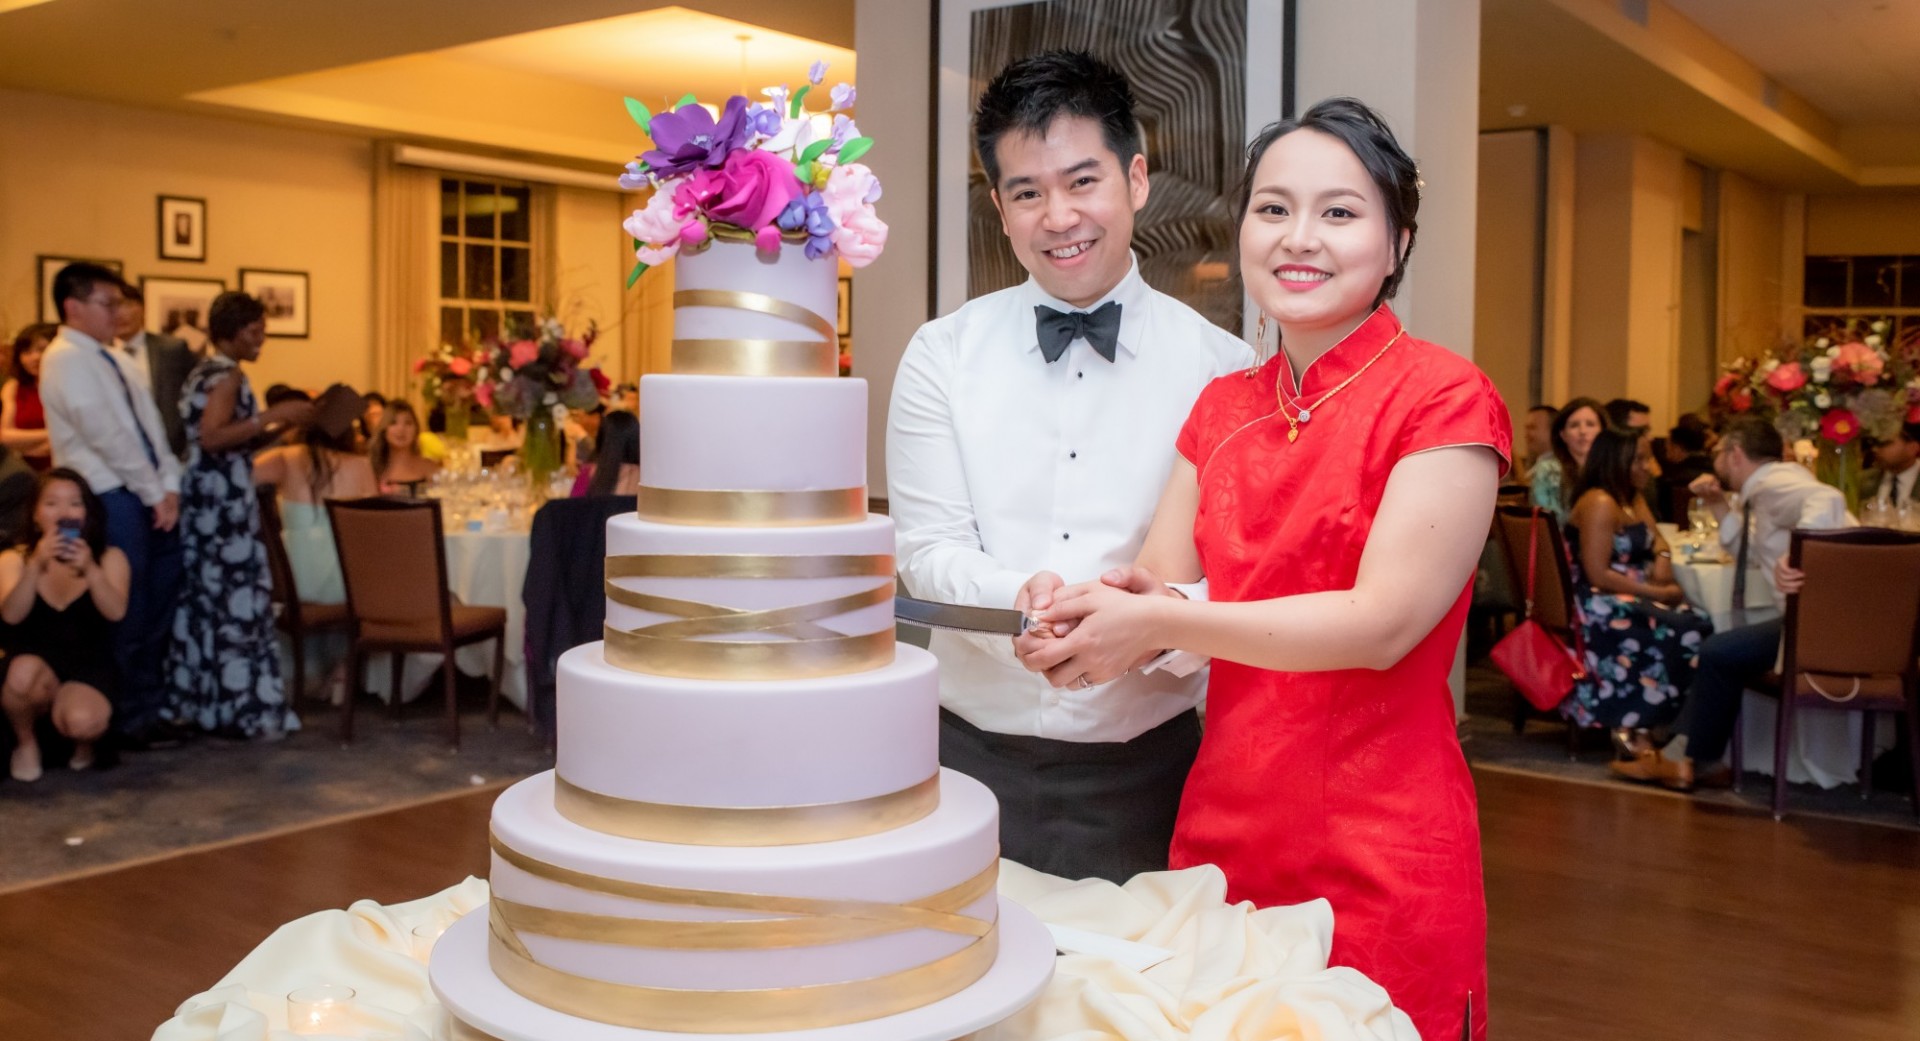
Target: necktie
[(1057, 329), (1740, 564), (145, 441)]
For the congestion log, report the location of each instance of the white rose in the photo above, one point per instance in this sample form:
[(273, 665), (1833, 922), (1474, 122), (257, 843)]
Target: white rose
[(1823, 343), (1873, 340), (1833, 352), (1879, 327), (1822, 400)]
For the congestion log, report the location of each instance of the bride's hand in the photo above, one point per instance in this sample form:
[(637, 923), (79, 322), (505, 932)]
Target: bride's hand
[(1113, 631)]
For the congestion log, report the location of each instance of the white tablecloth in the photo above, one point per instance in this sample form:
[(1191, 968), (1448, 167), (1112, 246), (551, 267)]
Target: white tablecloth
[(485, 569), (1237, 974), (1826, 744)]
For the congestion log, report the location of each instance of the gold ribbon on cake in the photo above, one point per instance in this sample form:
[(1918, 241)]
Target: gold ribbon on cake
[(756, 357), (800, 921), (810, 650), (751, 509), (744, 825)]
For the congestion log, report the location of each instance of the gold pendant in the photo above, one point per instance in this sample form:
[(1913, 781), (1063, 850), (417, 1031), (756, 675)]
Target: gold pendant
[(1293, 435)]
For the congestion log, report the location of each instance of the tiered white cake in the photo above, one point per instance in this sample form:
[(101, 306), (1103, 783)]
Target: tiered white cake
[(747, 830)]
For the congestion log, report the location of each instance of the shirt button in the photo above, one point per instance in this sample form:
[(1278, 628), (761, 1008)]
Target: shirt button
[(1080, 375), (1064, 536), (1073, 455)]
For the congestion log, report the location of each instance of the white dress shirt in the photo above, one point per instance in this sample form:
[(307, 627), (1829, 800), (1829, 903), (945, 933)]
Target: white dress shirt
[(1001, 465), (134, 353), (1785, 496), (89, 424), (1896, 488)]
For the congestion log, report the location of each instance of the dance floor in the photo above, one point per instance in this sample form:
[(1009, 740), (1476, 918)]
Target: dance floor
[(1615, 914)]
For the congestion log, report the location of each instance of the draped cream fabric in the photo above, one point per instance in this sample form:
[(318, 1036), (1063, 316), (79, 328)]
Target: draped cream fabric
[(406, 265), (1238, 974)]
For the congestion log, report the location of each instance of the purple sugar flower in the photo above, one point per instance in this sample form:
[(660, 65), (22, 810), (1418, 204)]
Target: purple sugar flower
[(763, 119), (810, 212), (688, 138), (843, 131), (817, 73), (842, 95), (635, 178)]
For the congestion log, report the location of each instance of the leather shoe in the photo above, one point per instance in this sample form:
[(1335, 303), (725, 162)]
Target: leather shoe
[(1650, 767), (1720, 776)]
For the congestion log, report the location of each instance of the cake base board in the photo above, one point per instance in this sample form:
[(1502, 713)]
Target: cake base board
[(466, 985)]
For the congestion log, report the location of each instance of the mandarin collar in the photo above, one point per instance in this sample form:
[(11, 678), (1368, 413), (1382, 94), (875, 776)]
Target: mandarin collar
[(1345, 358), (1132, 294)]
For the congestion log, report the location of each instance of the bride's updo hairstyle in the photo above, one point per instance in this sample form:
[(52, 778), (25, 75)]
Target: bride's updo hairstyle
[(1365, 134)]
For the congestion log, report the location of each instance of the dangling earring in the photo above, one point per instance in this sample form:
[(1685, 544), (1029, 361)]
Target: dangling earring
[(1259, 345)]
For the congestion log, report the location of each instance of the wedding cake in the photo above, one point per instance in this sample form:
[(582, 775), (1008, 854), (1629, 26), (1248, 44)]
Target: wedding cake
[(747, 830)]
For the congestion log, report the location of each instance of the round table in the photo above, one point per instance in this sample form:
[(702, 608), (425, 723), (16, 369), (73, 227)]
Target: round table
[(484, 569)]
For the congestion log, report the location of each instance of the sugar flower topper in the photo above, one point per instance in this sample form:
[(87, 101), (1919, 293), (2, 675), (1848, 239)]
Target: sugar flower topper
[(770, 172)]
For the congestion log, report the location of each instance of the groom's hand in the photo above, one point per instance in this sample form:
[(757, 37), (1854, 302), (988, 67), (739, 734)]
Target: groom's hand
[(1036, 595)]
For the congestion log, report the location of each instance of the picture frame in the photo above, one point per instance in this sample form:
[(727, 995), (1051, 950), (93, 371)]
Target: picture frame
[(1192, 143), (846, 306), (286, 295), (178, 306), (46, 266), (181, 226)]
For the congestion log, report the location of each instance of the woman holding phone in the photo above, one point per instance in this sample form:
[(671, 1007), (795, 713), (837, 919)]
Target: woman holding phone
[(60, 594)]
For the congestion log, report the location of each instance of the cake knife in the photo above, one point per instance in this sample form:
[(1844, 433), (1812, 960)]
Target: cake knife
[(961, 618)]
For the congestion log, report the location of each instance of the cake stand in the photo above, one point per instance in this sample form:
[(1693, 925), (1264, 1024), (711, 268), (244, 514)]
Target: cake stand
[(466, 985)]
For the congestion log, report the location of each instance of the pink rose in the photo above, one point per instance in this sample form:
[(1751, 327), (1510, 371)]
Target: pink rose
[(750, 190), (858, 233), (484, 395), (1787, 378), (523, 353), (1741, 400), (657, 225), (460, 366), (574, 348), (1861, 362)]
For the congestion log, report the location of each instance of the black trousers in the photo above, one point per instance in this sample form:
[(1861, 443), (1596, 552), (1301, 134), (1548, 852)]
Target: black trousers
[(1730, 662), (1077, 809)]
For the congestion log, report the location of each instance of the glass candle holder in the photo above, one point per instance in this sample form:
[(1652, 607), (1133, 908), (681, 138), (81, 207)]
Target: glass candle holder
[(325, 1009), (424, 937)]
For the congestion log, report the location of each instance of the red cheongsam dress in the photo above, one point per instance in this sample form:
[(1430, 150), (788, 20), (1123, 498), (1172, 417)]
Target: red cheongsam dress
[(1346, 785)]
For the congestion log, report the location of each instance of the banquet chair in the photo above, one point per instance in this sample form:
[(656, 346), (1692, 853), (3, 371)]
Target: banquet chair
[(291, 615), (393, 556), (1851, 641), (1552, 590)]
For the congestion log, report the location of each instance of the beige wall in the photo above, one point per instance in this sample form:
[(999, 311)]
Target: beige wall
[(1753, 221), (588, 282), (81, 177), (1506, 310), (1863, 224)]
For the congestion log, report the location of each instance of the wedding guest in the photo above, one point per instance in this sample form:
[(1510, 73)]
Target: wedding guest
[(23, 423), (223, 664), (1896, 470), (1687, 461), (160, 362), (397, 462), (103, 425), (1630, 414), (625, 397), (376, 410), (1642, 639), (1776, 497), (54, 665), (1572, 432), (996, 503), (1539, 434), (615, 470), (1336, 500)]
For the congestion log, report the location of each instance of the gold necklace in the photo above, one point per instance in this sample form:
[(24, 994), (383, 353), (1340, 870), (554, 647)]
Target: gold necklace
[(1300, 416)]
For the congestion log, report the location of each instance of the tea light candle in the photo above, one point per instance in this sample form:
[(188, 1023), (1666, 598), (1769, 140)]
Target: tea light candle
[(325, 1009)]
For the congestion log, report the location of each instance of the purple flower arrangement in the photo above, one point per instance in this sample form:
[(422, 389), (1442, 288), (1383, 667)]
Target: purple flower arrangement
[(768, 172)]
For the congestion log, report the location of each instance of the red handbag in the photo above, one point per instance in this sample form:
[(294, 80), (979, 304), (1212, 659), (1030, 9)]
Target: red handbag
[(1542, 668)]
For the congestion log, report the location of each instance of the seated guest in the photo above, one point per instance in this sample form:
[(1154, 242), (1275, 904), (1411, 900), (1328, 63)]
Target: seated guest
[(1641, 636), (1539, 434), (399, 466), (582, 428), (17, 487), (158, 361), (1687, 461), (1778, 497), (1629, 414), (23, 423), (1570, 434), (615, 470), (1896, 470), (223, 664), (57, 664), (370, 420)]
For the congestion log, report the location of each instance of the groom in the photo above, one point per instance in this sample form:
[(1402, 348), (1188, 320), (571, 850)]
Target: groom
[(1030, 435)]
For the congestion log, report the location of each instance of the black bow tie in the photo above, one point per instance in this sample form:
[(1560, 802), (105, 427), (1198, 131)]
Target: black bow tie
[(1099, 328)]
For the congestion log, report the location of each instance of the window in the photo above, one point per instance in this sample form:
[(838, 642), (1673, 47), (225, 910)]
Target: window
[(486, 259), (1871, 288)]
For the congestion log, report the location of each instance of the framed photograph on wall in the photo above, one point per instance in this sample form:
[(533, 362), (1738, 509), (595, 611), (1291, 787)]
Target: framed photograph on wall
[(45, 267), (1200, 94), (285, 294), (183, 228), (178, 306)]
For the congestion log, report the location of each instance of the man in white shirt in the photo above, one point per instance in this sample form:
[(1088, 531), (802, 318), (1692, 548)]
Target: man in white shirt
[(103, 424), (1030, 436), (1896, 470), (1777, 497), (161, 363)]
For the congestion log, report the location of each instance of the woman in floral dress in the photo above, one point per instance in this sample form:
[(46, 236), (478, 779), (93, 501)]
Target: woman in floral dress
[(223, 664), (1642, 638)]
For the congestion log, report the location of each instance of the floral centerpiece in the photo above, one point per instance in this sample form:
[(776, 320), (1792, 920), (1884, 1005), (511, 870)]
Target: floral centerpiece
[(536, 378), (1833, 389), (440, 373), (767, 172)]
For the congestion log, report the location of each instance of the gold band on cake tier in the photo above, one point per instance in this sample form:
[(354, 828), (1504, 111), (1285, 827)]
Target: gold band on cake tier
[(736, 1011), (756, 357), (744, 826), (811, 650), (752, 509)]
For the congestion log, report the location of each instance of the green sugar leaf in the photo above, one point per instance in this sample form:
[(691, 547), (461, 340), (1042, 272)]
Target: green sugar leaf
[(816, 150), (798, 96), (638, 270), (640, 114), (854, 149)]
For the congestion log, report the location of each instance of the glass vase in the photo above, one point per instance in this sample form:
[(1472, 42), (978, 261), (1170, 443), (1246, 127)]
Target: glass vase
[(459, 416), (540, 452), (1839, 466)]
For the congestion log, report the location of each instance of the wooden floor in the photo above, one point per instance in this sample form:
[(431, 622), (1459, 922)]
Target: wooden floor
[(1615, 915)]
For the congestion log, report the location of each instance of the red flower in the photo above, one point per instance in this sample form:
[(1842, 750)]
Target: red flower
[(420, 365), (459, 366), (1840, 426), (1787, 378), (1913, 414), (484, 395), (1740, 400), (600, 381), (1725, 384)]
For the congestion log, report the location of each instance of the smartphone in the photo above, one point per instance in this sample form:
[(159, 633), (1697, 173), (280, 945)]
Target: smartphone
[(69, 528)]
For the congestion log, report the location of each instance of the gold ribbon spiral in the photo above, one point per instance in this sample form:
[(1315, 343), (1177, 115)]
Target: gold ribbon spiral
[(751, 509), (742, 825), (756, 357), (674, 648)]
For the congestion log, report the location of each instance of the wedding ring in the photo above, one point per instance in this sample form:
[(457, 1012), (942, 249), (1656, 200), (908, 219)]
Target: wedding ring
[(1083, 682)]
